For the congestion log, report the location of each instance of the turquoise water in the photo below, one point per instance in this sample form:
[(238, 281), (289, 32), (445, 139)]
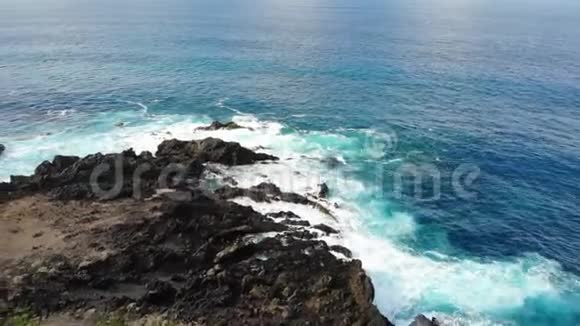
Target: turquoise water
[(485, 90)]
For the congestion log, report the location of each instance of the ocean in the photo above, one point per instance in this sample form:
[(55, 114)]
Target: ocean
[(448, 131)]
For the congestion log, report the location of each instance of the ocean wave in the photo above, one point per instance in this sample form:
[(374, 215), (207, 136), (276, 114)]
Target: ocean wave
[(221, 104), (60, 113), (144, 108)]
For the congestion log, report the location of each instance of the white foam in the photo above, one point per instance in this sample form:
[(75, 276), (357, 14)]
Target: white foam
[(144, 108), (405, 281)]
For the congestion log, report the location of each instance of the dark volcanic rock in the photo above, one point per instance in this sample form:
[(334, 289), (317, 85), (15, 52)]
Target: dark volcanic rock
[(296, 222), (287, 215), (193, 261), (216, 125), (94, 176), (196, 259), (323, 192), (264, 192), (340, 249), (178, 164), (210, 150), (332, 162), (325, 228), (421, 320)]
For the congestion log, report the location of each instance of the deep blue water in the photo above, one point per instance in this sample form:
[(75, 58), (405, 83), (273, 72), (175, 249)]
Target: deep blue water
[(485, 83)]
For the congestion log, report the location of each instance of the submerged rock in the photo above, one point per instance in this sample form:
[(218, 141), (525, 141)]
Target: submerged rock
[(2, 149), (332, 162), (216, 125)]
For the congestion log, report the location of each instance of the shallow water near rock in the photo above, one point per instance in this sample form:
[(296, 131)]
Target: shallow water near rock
[(343, 93)]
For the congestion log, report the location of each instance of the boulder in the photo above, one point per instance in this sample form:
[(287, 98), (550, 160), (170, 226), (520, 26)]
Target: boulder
[(216, 125), (323, 190)]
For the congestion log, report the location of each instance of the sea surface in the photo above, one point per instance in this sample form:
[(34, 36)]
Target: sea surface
[(447, 130)]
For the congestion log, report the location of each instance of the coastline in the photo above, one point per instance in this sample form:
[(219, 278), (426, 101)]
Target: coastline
[(86, 249)]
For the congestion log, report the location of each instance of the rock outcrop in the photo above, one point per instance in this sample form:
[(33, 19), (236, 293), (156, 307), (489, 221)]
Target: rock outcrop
[(196, 258), (110, 176), (210, 150), (264, 192)]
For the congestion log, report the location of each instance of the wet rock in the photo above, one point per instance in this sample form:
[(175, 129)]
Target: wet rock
[(332, 162), (2, 149), (264, 192), (177, 165), (287, 215), (216, 125), (325, 228), (421, 320), (210, 150), (323, 191), (343, 250), (295, 222), (198, 260), (60, 163)]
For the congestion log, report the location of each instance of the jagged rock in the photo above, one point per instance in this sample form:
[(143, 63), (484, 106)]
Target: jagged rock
[(210, 150), (177, 165), (264, 192), (323, 192), (295, 222), (216, 125), (343, 250), (421, 320), (201, 260), (287, 215), (62, 162), (159, 293), (325, 228)]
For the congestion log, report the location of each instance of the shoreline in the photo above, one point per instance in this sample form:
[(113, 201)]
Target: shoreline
[(65, 182)]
